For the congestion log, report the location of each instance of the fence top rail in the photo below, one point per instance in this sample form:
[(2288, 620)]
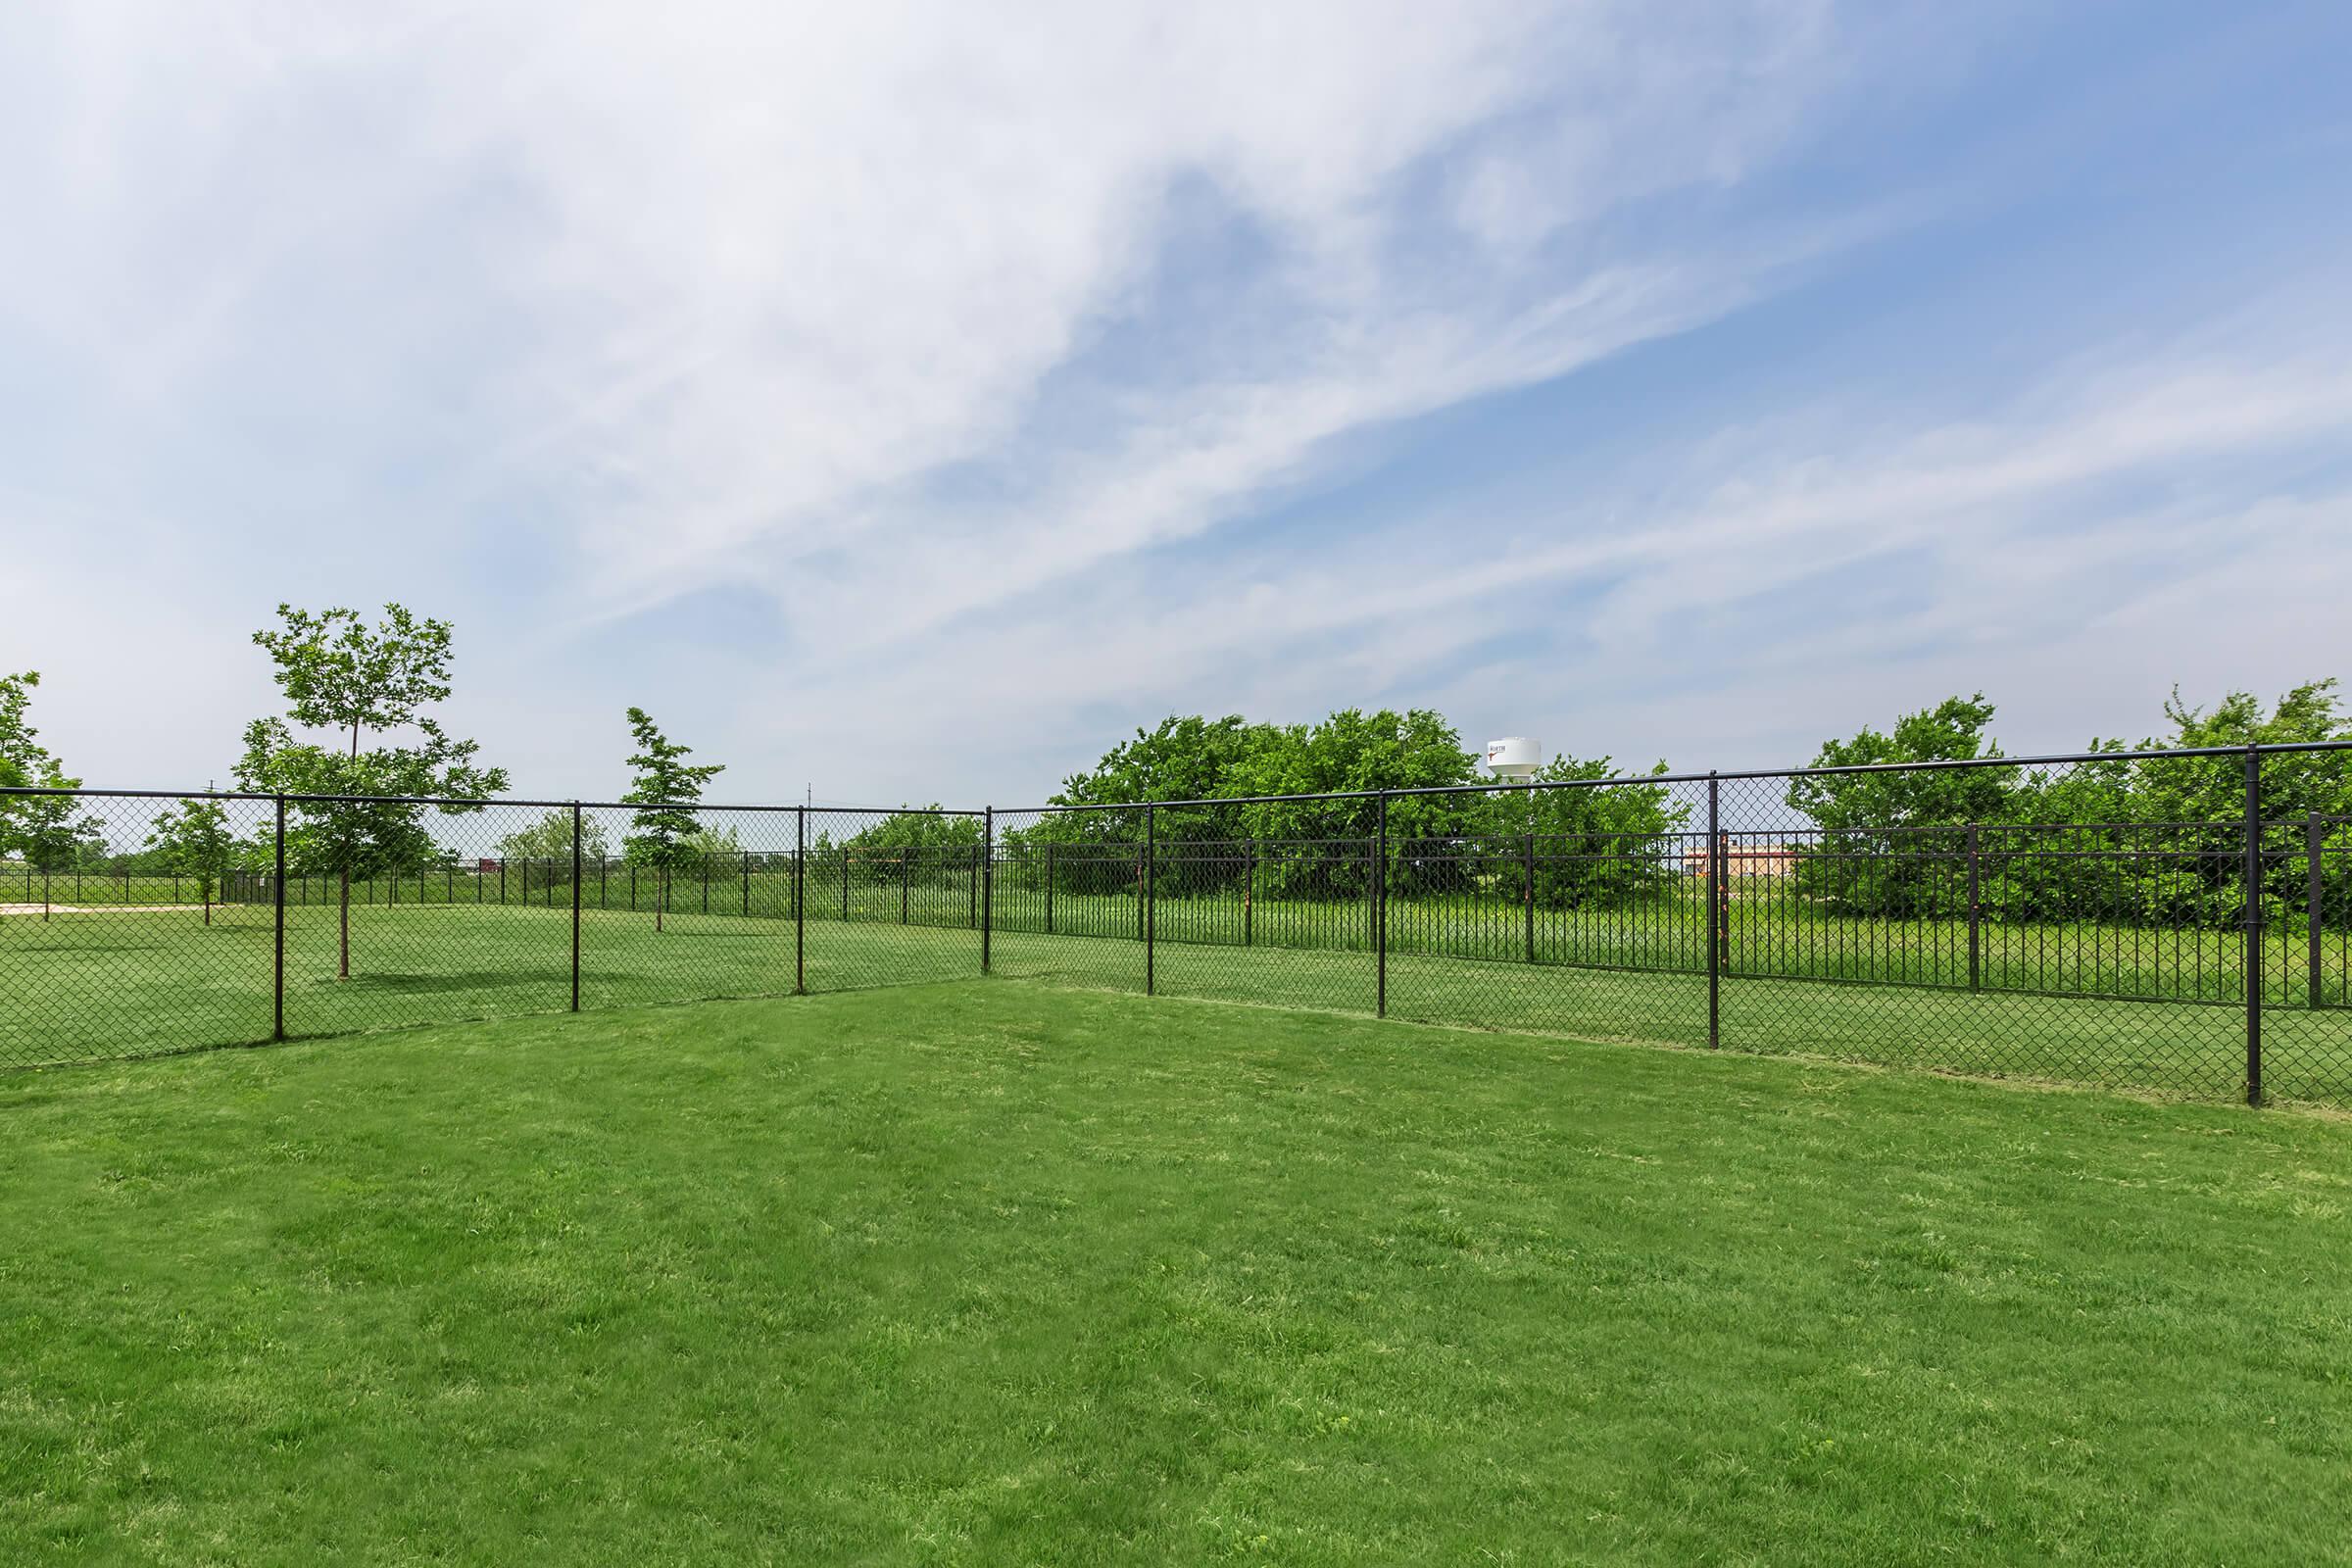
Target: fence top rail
[(479, 803), (1489, 787), (2228, 824)]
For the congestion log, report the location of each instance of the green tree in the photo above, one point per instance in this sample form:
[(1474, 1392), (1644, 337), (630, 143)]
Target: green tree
[(716, 843), (920, 843), (341, 675), (2208, 796), (1314, 848), (1888, 841), (1308, 848), (50, 833), (2214, 789), (665, 788), (1184, 758), (23, 757), (195, 841), (549, 839), (1596, 848)]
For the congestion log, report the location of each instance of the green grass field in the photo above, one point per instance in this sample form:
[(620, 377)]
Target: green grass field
[(1771, 929), (122, 982), (984, 1273)]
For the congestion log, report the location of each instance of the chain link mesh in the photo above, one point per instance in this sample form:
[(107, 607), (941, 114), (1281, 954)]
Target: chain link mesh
[(2006, 920), (115, 945)]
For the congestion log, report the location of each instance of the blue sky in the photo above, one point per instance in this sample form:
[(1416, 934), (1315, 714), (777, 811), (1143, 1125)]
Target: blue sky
[(906, 401)]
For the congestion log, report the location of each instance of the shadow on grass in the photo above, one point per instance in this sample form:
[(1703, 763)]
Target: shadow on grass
[(362, 983)]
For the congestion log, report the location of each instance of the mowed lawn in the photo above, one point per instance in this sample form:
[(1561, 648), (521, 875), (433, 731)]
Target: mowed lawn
[(992, 1273), (115, 983)]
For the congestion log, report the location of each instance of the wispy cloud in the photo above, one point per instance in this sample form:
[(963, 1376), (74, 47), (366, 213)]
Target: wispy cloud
[(2079, 513), (1010, 377)]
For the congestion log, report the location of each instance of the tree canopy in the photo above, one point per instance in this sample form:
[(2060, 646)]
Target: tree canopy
[(2131, 839), (1314, 846), (663, 830), (663, 788), (550, 839), (51, 833), (346, 677), (194, 839)]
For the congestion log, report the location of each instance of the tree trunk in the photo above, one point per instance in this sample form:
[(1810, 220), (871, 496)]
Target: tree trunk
[(343, 957)]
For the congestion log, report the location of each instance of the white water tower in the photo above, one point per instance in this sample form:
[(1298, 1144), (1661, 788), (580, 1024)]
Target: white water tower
[(1514, 757)]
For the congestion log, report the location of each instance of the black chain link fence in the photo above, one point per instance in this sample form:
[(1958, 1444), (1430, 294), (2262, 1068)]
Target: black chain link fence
[(2177, 922)]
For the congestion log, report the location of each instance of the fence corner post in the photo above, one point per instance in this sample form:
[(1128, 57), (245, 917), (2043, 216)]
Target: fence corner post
[(575, 906), (2253, 896), (1380, 906), (278, 943), (1150, 901), (1976, 968), (2315, 839), (1716, 912), (1527, 901)]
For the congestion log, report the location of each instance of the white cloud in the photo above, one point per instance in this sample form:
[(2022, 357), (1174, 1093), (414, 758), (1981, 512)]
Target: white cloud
[(955, 339), (2110, 519)]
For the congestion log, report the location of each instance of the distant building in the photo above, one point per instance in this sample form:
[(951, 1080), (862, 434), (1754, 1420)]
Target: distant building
[(1744, 859)]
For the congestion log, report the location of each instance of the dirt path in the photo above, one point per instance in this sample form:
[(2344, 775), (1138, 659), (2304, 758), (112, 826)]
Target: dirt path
[(99, 908)]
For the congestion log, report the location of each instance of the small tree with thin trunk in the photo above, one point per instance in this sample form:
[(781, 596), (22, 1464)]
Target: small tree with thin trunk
[(196, 842), (549, 841), (50, 831), (662, 832), (342, 675)]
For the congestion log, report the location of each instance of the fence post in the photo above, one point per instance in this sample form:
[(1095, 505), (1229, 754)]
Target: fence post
[(1048, 887), (905, 884), (747, 883), (575, 906), (1380, 905), (2314, 838), (1714, 928), (1149, 909), (1529, 901), (1250, 896), (2253, 926), (988, 881), (799, 905), (1974, 961), (277, 940), (845, 881)]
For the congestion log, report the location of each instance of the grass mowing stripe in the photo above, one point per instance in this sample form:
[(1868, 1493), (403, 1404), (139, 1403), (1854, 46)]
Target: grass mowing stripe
[(116, 984), (993, 1273)]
